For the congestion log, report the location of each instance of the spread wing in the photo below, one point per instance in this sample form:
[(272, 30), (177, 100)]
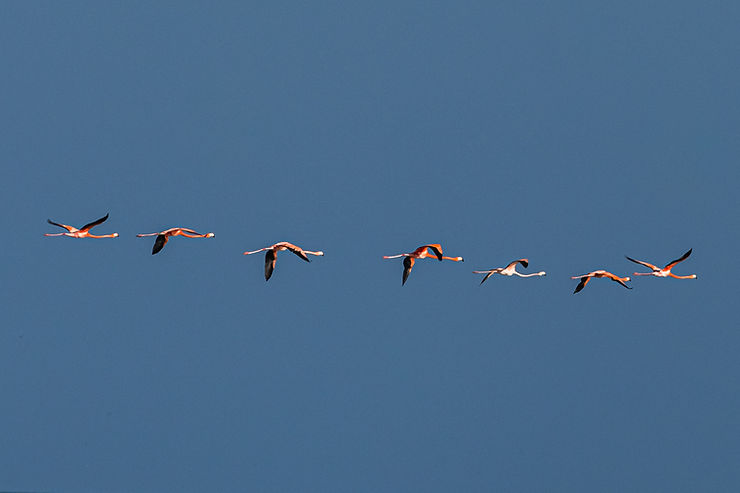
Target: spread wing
[(270, 259), (487, 276), (408, 263), (94, 223), (683, 257), (297, 250), (649, 266), (582, 284), (435, 248), (68, 228), (523, 261), (159, 243), (620, 282)]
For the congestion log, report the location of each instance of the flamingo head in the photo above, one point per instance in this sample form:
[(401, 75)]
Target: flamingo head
[(459, 259), (542, 273), (210, 235), (115, 235), (626, 278), (320, 253)]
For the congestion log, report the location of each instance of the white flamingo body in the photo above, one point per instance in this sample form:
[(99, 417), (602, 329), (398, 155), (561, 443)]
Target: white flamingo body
[(509, 270)]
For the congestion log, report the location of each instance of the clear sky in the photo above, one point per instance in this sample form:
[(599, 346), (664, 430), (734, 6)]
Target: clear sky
[(571, 133)]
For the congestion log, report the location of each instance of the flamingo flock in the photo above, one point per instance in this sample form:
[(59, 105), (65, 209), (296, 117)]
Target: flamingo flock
[(431, 250)]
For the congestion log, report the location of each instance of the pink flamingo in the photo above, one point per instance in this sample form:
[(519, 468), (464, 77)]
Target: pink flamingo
[(599, 273), (509, 270), (271, 255), (164, 236), (665, 271), (83, 232), (421, 252)]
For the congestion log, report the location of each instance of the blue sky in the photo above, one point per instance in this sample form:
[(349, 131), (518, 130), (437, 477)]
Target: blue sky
[(571, 134)]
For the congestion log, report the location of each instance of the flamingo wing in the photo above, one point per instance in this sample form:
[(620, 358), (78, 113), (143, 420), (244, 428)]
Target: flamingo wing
[(523, 261), (408, 263), (649, 266), (490, 273), (683, 257), (616, 279), (88, 226), (159, 243), (582, 284), (297, 250), (270, 259), (68, 228), (436, 249)]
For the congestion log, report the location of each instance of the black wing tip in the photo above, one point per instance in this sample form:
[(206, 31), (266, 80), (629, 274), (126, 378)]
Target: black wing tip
[(581, 285)]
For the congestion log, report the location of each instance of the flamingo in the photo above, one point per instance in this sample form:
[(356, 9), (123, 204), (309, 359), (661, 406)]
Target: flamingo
[(421, 252), (599, 273), (271, 255), (83, 232), (509, 270), (665, 271), (164, 236)]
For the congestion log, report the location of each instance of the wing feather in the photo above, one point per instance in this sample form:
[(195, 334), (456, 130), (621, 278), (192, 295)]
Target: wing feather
[(270, 259), (94, 223), (649, 266), (68, 228), (683, 257), (408, 264), (159, 243), (582, 284), (436, 249)]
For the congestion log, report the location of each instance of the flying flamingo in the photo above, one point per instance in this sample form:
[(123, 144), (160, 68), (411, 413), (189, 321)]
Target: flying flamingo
[(83, 232), (599, 273), (164, 236), (271, 255), (421, 252), (665, 271), (509, 270)]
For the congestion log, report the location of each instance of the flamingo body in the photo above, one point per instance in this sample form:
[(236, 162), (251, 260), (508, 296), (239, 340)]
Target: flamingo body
[(424, 251), (585, 278), (509, 270), (665, 271), (83, 232), (164, 236), (271, 255)]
